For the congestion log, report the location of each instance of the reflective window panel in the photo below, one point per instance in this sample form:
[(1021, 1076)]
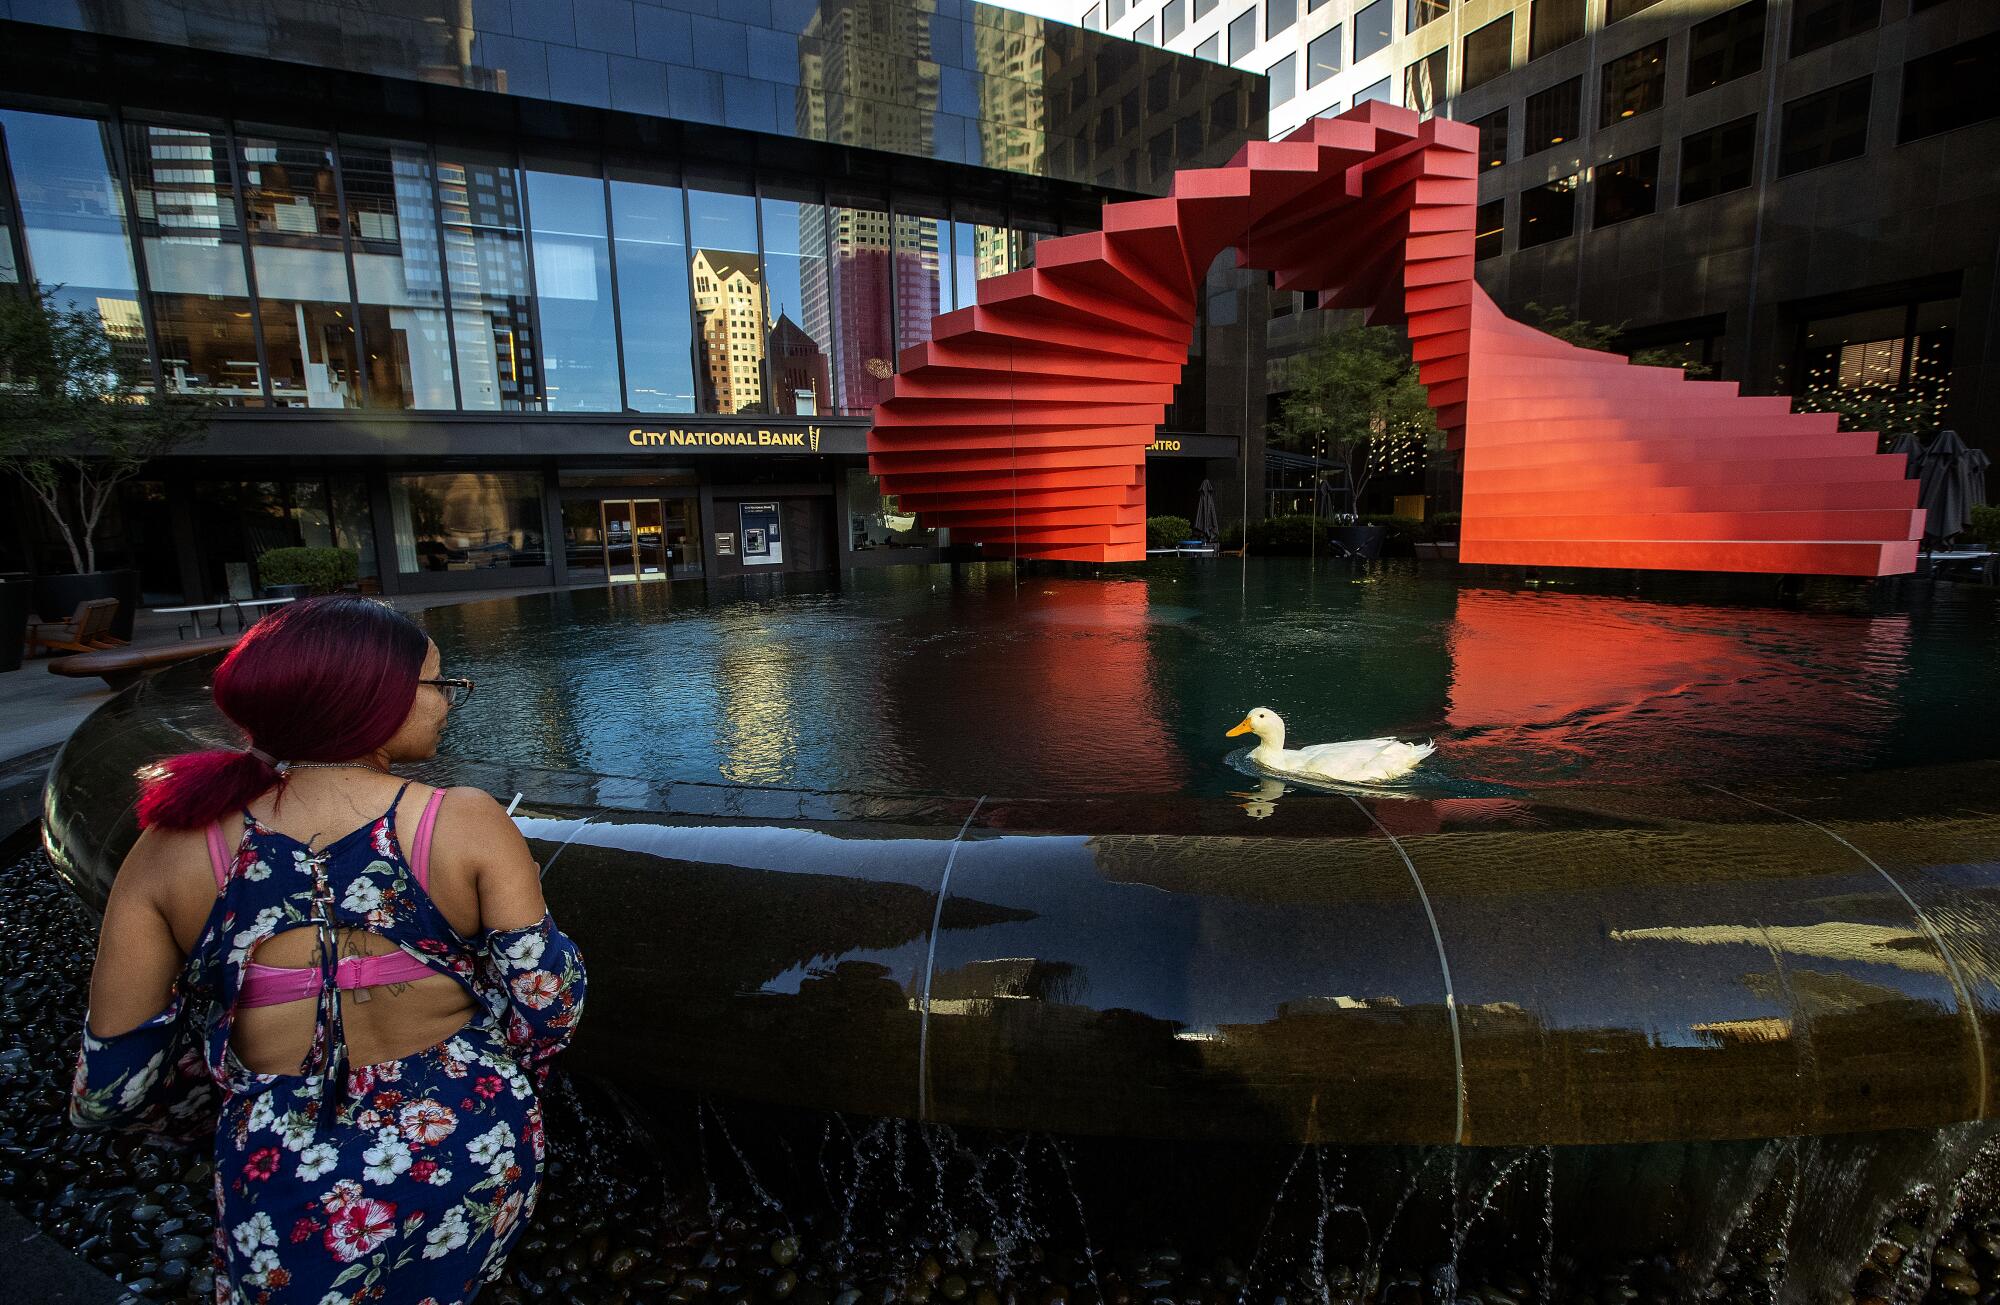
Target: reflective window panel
[(573, 290), (291, 208), (467, 521), (184, 200), (392, 233), (649, 232), (801, 301), (486, 265), (860, 303), (73, 219), (729, 301), (920, 273)]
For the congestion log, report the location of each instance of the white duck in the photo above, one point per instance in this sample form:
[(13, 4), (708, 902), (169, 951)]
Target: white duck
[(1356, 761)]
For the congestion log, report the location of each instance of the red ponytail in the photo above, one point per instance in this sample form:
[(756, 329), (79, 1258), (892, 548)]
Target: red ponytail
[(323, 679)]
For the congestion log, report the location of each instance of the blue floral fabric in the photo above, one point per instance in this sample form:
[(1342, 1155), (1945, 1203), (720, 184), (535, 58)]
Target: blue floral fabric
[(407, 1180)]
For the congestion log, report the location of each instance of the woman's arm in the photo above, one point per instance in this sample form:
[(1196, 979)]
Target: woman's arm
[(126, 1076), (137, 957), (504, 873)]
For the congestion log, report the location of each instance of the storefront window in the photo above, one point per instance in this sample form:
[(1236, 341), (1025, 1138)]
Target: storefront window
[(398, 276), (573, 290), (184, 195), (920, 268), (467, 521), (801, 325), (647, 226), (874, 521), (74, 219), (861, 305), (729, 302), (292, 210), (353, 521), (486, 262)]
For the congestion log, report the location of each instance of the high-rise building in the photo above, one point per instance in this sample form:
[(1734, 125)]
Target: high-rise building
[(1799, 195)]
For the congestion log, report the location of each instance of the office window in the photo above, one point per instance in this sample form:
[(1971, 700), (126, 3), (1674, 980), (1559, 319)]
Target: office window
[(1489, 51), (1209, 50), (801, 308), (1725, 47), (1952, 88), (572, 250), (1633, 84), (183, 185), (1719, 160), (1372, 29), (1279, 15), (1242, 34), (729, 295), (1817, 23), (1379, 91), (1488, 226), (485, 252), (1553, 116), (1419, 12), (1114, 12), (1825, 128), (1173, 20), (1203, 8), (1284, 79), (1323, 56), (293, 218), (1899, 351), (1614, 10), (392, 232), (1548, 212), (1552, 24), (1312, 6), (1143, 33), (1492, 139), (1094, 20), (1625, 188), (1424, 81), (650, 240)]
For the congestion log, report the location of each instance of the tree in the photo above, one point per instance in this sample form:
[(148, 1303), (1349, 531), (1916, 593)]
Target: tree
[(1355, 398), (72, 426)]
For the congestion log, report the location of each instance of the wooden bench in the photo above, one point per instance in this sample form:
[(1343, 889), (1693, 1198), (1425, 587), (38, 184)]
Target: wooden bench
[(123, 666)]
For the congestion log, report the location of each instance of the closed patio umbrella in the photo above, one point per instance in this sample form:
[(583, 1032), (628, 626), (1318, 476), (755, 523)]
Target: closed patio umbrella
[(1952, 480), (1206, 523), (1912, 450)]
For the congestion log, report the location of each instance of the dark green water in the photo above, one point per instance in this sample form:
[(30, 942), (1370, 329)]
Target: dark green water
[(916, 680)]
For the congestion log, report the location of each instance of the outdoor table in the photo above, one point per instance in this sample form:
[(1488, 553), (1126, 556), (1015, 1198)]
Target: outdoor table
[(259, 603), (196, 610)]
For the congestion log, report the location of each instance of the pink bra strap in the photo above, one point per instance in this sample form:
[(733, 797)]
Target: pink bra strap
[(218, 856), (420, 854), (269, 985)]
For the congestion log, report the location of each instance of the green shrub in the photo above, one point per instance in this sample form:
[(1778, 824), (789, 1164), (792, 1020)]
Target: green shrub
[(324, 570), (1167, 531), (1287, 535), (1395, 528), (1985, 524)]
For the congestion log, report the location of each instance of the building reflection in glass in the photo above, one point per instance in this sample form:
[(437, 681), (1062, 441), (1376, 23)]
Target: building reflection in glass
[(573, 288), (184, 198), (728, 300), (74, 220), (398, 273), (649, 224), (486, 262), (800, 360), (859, 299), (291, 207)]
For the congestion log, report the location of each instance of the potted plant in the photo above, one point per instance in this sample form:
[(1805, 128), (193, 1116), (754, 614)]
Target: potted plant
[(300, 572), (74, 427), (1167, 531)]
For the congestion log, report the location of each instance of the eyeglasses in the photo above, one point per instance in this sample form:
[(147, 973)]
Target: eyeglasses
[(455, 691)]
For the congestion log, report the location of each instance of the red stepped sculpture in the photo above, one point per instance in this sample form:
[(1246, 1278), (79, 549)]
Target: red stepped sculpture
[(1023, 423)]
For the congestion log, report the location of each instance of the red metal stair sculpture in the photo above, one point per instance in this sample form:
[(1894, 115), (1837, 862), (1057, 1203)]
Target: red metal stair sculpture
[(1023, 423)]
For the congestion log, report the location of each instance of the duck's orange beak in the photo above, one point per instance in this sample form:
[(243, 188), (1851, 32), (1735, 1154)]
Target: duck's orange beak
[(1243, 728)]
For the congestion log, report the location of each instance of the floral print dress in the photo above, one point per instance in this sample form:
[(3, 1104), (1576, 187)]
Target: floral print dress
[(403, 1181)]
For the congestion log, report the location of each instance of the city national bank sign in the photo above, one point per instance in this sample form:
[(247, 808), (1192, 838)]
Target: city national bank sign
[(752, 439)]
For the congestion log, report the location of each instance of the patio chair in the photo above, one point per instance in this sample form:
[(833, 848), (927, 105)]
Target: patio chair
[(87, 630)]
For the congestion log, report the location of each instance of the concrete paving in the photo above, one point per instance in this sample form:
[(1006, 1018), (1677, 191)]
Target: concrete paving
[(38, 710)]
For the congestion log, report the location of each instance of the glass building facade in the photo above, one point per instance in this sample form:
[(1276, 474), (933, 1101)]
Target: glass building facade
[(503, 295)]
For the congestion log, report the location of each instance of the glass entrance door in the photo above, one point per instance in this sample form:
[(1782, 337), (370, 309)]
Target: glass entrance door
[(635, 541)]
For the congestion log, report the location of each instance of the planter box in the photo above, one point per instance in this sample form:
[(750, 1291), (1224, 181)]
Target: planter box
[(1440, 551)]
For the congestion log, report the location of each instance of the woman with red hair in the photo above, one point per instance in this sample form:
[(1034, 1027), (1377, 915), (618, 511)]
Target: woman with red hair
[(376, 1008)]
